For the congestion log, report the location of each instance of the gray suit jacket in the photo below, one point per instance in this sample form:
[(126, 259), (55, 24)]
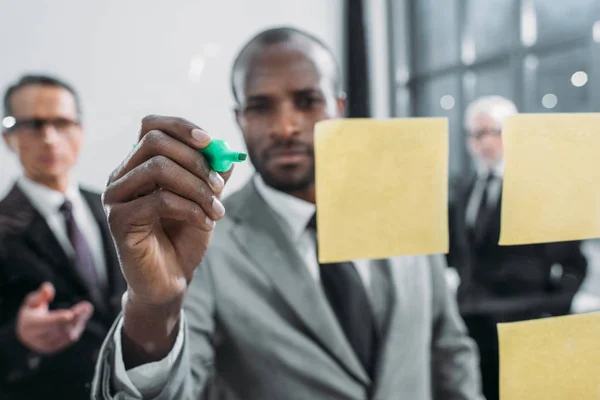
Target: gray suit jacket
[(258, 326)]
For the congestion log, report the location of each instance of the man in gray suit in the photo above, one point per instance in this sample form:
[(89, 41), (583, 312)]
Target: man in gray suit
[(254, 310)]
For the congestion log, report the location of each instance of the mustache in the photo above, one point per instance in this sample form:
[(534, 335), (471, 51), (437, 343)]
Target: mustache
[(292, 145)]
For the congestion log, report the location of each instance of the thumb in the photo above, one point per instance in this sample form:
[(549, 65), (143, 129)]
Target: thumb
[(43, 296)]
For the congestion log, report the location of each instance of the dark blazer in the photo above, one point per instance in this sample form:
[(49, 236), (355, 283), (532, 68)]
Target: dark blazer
[(29, 255), (510, 282), (506, 283)]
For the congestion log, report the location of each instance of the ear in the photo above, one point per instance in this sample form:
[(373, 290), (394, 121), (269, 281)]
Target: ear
[(238, 115), (341, 104)]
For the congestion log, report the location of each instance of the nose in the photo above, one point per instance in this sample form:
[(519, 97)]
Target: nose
[(49, 133), (488, 140), (287, 121)]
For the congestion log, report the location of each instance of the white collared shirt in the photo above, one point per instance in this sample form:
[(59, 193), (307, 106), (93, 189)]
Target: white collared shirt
[(494, 188), (48, 201)]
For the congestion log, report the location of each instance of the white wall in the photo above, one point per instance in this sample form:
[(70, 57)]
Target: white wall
[(129, 58)]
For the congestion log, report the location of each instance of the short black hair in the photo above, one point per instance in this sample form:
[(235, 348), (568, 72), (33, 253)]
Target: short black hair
[(43, 80), (282, 34)]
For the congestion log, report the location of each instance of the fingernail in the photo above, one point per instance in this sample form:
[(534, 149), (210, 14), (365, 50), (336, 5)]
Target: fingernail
[(216, 181), (218, 207), (210, 222), (200, 136)]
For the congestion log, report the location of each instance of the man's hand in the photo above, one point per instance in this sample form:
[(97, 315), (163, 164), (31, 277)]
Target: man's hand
[(162, 203), (48, 332)]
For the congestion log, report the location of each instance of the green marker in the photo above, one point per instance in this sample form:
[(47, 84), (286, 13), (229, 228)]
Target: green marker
[(220, 156)]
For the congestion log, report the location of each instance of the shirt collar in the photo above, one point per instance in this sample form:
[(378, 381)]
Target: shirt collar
[(45, 200), (296, 213), (483, 170)]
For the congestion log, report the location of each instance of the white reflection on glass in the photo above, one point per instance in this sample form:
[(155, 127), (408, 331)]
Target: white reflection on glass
[(579, 78), (447, 102), (8, 122), (468, 50), (596, 32), (528, 23), (549, 100)]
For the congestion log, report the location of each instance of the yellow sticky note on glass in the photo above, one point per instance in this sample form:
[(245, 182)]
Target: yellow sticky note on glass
[(551, 189), (550, 359), (382, 187)]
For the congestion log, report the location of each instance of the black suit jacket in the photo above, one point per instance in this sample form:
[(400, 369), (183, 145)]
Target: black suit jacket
[(29, 255), (509, 282)]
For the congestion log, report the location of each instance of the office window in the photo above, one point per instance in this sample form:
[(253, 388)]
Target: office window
[(560, 20), (495, 79), (538, 53), (437, 97), (558, 82), (489, 33), (436, 34)]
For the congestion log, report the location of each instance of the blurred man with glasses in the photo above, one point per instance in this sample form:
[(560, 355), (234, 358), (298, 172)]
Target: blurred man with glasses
[(501, 283), (60, 284)]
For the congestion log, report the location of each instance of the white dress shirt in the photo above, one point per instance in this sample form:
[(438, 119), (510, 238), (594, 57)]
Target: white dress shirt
[(587, 298), (494, 188), (48, 201), (295, 214)]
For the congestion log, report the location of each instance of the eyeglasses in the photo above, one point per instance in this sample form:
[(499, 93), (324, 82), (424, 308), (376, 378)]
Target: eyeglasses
[(479, 134), (36, 125)]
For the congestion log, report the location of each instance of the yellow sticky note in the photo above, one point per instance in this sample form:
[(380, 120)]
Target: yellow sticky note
[(551, 188), (550, 359), (382, 187)]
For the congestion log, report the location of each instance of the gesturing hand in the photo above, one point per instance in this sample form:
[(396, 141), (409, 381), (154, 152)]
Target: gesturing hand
[(50, 331), (161, 204)]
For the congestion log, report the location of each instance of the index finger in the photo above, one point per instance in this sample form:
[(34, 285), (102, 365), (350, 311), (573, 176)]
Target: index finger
[(182, 130), (179, 128)]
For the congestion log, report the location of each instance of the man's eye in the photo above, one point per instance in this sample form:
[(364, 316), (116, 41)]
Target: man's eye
[(257, 107), (307, 102)]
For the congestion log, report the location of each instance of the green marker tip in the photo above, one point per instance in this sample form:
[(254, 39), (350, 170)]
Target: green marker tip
[(220, 156)]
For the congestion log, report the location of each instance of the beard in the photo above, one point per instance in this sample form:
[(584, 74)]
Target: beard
[(286, 178), (288, 181)]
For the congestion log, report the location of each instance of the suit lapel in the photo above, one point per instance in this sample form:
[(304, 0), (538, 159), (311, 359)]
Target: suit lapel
[(37, 234), (40, 237), (267, 245)]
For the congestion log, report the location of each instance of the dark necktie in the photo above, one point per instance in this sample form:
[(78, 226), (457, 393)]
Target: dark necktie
[(83, 255), (483, 212), (347, 296)]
